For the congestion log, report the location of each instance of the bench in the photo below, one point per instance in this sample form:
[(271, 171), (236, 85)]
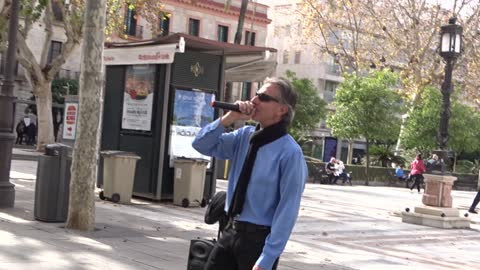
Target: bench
[(394, 179)]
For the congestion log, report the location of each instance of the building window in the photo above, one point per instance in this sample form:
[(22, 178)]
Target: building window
[(193, 27), (164, 23), (330, 89), (249, 38), (222, 33), (333, 37), (55, 50), (57, 11), (297, 57), (285, 57), (246, 90), (130, 22)]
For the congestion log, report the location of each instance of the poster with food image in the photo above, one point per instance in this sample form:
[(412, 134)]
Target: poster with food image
[(138, 97), (70, 119), (191, 112)]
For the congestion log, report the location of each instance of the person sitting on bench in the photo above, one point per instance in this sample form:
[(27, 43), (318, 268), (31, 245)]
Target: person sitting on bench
[(400, 174), (330, 170)]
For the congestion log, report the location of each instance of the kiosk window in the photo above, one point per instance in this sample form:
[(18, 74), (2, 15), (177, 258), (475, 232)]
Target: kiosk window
[(138, 97), (191, 112)]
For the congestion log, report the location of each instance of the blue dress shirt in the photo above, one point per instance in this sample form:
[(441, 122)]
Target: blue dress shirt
[(276, 184)]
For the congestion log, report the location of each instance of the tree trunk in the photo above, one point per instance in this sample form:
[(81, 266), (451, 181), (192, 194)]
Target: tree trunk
[(398, 147), (241, 19), (367, 165), (81, 213), (350, 152), (454, 168), (43, 96), (237, 40)]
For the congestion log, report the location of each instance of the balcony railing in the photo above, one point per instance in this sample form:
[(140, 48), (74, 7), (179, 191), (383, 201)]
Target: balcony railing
[(333, 69)]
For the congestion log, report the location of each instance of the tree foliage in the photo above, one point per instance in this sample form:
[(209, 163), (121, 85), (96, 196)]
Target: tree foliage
[(310, 108), (384, 155), (367, 107), (62, 87), (422, 127)]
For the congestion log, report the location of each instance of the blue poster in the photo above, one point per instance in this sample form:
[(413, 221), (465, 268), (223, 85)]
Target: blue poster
[(191, 112), (192, 108)]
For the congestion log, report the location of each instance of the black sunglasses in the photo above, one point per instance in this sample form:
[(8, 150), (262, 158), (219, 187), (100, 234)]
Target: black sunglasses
[(266, 98)]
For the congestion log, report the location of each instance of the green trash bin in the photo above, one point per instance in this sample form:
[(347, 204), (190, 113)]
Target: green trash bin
[(118, 175)]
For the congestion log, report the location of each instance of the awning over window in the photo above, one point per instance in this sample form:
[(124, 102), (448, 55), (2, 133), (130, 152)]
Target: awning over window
[(249, 69)]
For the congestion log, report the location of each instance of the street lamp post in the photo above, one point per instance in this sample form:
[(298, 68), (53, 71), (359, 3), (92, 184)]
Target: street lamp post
[(7, 113), (437, 198), (450, 49)]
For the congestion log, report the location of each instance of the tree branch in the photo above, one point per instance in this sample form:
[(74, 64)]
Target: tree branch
[(73, 32), (27, 59), (48, 19), (28, 20)]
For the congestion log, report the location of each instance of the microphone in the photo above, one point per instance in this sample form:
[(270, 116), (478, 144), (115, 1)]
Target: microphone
[(225, 106)]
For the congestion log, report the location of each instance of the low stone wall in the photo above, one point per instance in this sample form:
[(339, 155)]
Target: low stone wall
[(381, 176)]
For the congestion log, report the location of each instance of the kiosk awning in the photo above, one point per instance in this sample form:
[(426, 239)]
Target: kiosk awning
[(243, 63), (149, 54), (248, 69)]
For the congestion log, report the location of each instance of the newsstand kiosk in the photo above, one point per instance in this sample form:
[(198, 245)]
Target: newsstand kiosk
[(157, 97)]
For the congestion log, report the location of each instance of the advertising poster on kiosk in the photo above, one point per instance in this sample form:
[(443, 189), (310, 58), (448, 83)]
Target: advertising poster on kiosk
[(70, 121), (191, 112), (138, 98)]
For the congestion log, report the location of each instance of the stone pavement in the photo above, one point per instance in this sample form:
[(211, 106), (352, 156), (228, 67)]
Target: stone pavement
[(340, 227)]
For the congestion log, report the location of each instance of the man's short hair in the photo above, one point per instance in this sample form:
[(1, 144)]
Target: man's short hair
[(288, 96)]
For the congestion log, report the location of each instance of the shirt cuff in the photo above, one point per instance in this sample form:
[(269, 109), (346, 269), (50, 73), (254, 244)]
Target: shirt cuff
[(265, 262)]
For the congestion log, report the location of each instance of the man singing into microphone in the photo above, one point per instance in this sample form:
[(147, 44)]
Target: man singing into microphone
[(266, 179)]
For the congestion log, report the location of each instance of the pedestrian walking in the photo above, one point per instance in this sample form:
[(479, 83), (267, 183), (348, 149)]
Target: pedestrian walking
[(20, 129), (417, 171), (474, 204), (266, 179)]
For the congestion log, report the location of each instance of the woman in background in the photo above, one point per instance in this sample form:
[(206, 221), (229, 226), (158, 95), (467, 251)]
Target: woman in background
[(417, 171)]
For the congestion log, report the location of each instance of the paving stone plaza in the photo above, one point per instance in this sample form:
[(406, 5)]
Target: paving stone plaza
[(340, 227)]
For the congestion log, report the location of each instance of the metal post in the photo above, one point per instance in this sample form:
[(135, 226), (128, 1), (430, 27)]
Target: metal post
[(444, 165), (7, 113), (447, 89)]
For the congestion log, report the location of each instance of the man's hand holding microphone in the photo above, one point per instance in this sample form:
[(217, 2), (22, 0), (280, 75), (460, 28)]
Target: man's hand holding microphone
[(240, 110)]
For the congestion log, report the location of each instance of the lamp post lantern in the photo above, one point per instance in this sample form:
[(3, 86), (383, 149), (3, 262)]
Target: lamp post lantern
[(450, 50), (7, 113)]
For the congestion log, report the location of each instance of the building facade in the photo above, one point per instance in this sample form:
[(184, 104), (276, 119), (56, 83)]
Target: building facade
[(304, 58), (210, 19)]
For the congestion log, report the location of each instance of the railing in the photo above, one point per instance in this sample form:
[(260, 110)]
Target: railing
[(333, 69)]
